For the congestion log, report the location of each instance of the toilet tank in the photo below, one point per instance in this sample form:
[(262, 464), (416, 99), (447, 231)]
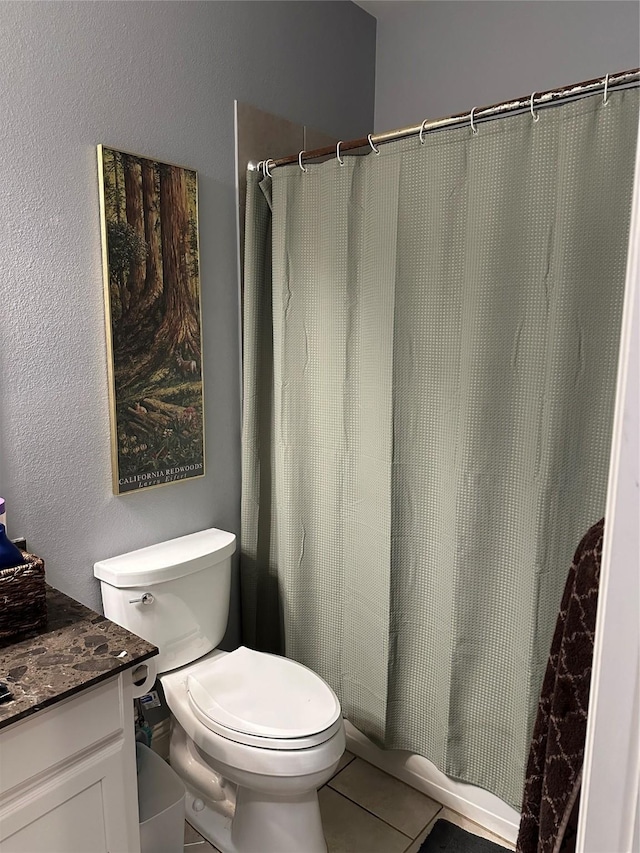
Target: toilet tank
[(174, 594)]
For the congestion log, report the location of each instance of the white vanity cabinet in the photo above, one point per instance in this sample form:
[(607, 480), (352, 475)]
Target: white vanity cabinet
[(68, 775)]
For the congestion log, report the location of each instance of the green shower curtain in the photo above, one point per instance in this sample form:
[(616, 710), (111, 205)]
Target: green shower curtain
[(430, 349)]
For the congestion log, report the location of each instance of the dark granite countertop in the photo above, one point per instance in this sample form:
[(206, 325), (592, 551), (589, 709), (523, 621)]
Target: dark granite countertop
[(77, 649)]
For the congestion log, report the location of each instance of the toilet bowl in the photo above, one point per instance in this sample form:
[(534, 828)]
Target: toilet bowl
[(253, 735), (275, 761)]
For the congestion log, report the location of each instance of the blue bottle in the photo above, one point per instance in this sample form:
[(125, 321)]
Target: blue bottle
[(10, 556)]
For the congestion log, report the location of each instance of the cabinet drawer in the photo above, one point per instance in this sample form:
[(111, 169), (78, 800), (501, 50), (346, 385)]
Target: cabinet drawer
[(53, 736)]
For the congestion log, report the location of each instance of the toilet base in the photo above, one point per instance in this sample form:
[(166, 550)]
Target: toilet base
[(210, 823), (261, 824), (249, 811)]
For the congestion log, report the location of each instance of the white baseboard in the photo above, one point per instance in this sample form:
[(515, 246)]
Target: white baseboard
[(486, 810)]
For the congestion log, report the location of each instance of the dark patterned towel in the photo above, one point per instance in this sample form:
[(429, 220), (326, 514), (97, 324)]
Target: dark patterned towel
[(554, 770)]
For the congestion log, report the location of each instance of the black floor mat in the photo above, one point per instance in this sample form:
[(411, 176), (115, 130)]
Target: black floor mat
[(447, 838)]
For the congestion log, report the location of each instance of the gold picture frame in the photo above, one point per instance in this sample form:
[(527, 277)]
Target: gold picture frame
[(151, 262)]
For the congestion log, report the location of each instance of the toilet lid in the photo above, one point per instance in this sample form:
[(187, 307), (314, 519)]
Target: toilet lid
[(263, 695)]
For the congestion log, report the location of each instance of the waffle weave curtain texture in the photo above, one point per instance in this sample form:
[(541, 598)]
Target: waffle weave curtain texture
[(430, 352)]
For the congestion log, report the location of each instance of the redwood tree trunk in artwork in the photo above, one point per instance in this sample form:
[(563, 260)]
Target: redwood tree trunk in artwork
[(133, 201), (180, 323), (153, 284), (177, 337)]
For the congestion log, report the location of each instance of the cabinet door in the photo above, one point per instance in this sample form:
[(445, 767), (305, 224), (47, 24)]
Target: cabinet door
[(79, 810)]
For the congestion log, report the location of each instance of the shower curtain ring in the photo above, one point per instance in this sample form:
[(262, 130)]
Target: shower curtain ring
[(266, 166), (536, 117), (304, 168), (606, 86), (340, 160), (474, 129), (373, 147), (422, 131)]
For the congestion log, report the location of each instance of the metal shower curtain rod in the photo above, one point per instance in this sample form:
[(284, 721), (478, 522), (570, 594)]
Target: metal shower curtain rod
[(535, 100)]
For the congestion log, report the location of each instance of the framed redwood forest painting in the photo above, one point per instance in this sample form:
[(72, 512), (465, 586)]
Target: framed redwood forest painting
[(149, 214)]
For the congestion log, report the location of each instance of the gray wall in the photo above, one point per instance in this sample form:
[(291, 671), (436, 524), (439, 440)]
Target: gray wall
[(158, 79), (439, 58)]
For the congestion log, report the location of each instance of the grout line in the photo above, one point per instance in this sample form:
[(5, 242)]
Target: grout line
[(428, 826), (364, 808), (430, 822), (373, 814), (344, 767), (476, 829)]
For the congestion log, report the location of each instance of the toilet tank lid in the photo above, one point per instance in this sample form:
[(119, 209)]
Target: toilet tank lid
[(168, 560)]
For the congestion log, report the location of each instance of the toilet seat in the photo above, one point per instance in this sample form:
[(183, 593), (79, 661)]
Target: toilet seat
[(263, 700)]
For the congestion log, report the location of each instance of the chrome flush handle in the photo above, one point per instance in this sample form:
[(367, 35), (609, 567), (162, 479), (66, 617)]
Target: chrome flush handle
[(145, 598)]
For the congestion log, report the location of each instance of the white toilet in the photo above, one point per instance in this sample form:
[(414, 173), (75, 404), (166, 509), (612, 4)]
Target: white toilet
[(253, 735)]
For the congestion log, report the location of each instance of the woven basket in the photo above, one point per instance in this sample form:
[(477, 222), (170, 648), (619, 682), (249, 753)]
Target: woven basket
[(23, 607)]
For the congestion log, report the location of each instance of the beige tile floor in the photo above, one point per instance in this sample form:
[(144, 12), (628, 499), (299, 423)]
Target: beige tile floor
[(363, 811)]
